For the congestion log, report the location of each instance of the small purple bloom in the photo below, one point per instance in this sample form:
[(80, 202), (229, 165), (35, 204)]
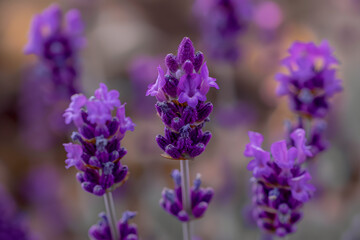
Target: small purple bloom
[(311, 80), (109, 98), (171, 200), (308, 147), (101, 230), (259, 165), (98, 154), (156, 88), (256, 140), (74, 153), (299, 138), (301, 190), (283, 157), (73, 112)]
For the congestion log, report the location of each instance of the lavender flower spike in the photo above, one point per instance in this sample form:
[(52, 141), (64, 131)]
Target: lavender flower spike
[(311, 80), (280, 185), (56, 39), (171, 200), (101, 231), (97, 151), (181, 95)]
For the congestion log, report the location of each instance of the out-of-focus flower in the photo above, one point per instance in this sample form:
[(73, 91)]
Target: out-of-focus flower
[(41, 189), (98, 155), (221, 23), (280, 185), (268, 15), (311, 80), (171, 200), (101, 231), (56, 40), (181, 95)]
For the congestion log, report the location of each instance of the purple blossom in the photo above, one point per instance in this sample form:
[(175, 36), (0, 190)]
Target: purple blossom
[(181, 95), (74, 154), (101, 230), (280, 185), (299, 138), (56, 39), (259, 165), (283, 157), (171, 199), (98, 152), (73, 112), (311, 145), (311, 80), (256, 140), (301, 190), (156, 88), (221, 23)]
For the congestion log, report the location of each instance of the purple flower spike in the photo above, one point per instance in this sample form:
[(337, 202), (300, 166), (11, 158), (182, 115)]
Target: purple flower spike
[(280, 185), (181, 95), (171, 200), (101, 230), (56, 40), (98, 152), (311, 80)]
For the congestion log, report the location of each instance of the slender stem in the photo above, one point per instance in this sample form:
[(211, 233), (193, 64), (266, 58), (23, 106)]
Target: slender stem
[(110, 212), (186, 197)]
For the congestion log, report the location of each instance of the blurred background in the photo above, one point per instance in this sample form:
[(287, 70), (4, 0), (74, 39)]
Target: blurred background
[(126, 41)]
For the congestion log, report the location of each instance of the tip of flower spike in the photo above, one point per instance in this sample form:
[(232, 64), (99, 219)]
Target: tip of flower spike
[(183, 216), (197, 181), (175, 174), (35, 38), (171, 62), (127, 215), (186, 51)]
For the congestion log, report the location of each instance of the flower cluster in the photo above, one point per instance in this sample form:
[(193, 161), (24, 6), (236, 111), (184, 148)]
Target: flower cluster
[(221, 23), (57, 44), (98, 154), (171, 200), (101, 231), (311, 81), (280, 185), (181, 95)]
